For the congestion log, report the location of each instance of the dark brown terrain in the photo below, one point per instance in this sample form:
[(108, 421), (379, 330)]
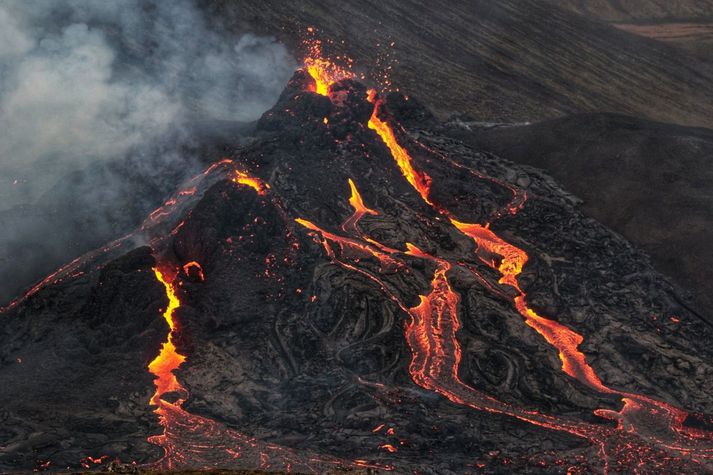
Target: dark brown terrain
[(511, 60), (639, 10), (301, 353), (651, 182), (306, 347)]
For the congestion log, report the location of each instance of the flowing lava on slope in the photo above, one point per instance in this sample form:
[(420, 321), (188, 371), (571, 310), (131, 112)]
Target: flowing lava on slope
[(646, 428), (256, 184), (167, 361), (420, 181), (191, 441)]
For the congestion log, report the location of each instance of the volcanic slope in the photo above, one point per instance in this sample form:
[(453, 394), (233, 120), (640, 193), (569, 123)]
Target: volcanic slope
[(511, 60), (651, 182), (352, 289)]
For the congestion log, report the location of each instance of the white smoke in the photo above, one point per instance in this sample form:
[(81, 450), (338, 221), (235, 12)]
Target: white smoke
[(100, 101), (88, 80)]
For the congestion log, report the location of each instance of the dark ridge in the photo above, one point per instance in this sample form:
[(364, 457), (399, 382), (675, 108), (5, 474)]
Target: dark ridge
[(649, 181)]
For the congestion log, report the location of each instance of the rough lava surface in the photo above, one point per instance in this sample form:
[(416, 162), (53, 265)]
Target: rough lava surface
[(331, 310)]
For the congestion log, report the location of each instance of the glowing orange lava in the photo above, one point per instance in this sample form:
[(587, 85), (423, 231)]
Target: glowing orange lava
[(360, 209), (420, 181), (169, 359), (324, 71), (256, 184), (193, 266)]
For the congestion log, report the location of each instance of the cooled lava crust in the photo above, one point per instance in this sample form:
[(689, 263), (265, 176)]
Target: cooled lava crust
[(352, 289)]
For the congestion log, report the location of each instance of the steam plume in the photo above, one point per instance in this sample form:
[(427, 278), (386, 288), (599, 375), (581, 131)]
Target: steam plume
[(96, 96)]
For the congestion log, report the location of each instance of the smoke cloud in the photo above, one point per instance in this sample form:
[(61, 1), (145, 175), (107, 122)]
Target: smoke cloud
[(98, 95)]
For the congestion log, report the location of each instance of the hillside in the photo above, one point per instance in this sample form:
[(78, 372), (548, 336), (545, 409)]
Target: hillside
[(639, 10), (354, 290), (652, 182), (512, 60)]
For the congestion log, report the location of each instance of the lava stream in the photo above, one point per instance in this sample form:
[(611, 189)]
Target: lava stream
[(659, 419), (420, 181), (191, 441), (490, 249)]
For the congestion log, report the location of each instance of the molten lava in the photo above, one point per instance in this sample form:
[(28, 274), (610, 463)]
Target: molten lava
[(194, 268), (256, 184), (360, 209), (324, 71), (420, 181), (169, 359)]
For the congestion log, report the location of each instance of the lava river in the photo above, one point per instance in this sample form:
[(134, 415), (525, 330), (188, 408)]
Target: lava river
[(650, 434)]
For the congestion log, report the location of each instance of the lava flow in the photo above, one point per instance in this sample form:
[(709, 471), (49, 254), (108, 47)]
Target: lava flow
[(667, 428), (167, 361), (420, 181), (184, 435), (431, 333)]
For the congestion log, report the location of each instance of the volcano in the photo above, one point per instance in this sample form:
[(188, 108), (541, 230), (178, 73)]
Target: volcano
[(354, 290)]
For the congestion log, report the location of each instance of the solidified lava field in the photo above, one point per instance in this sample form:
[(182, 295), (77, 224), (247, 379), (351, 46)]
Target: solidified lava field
[(353, 290)]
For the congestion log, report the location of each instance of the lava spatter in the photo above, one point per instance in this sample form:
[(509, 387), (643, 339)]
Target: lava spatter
[(255, 183), (324, 70), (194, 268)]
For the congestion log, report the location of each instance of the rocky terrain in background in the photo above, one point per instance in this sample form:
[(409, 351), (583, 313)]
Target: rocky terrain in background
[(511, 60), (685, 24), (638, 10), (297, 333), (651, 182)]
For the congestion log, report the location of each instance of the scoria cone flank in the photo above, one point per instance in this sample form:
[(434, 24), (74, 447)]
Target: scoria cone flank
[(353, 289)]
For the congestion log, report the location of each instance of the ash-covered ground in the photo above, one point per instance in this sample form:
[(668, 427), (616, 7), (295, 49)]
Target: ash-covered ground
[(333, 325)]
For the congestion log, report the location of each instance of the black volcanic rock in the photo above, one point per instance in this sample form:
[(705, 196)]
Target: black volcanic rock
[(301, 340), (73, 368), (651, 182)]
